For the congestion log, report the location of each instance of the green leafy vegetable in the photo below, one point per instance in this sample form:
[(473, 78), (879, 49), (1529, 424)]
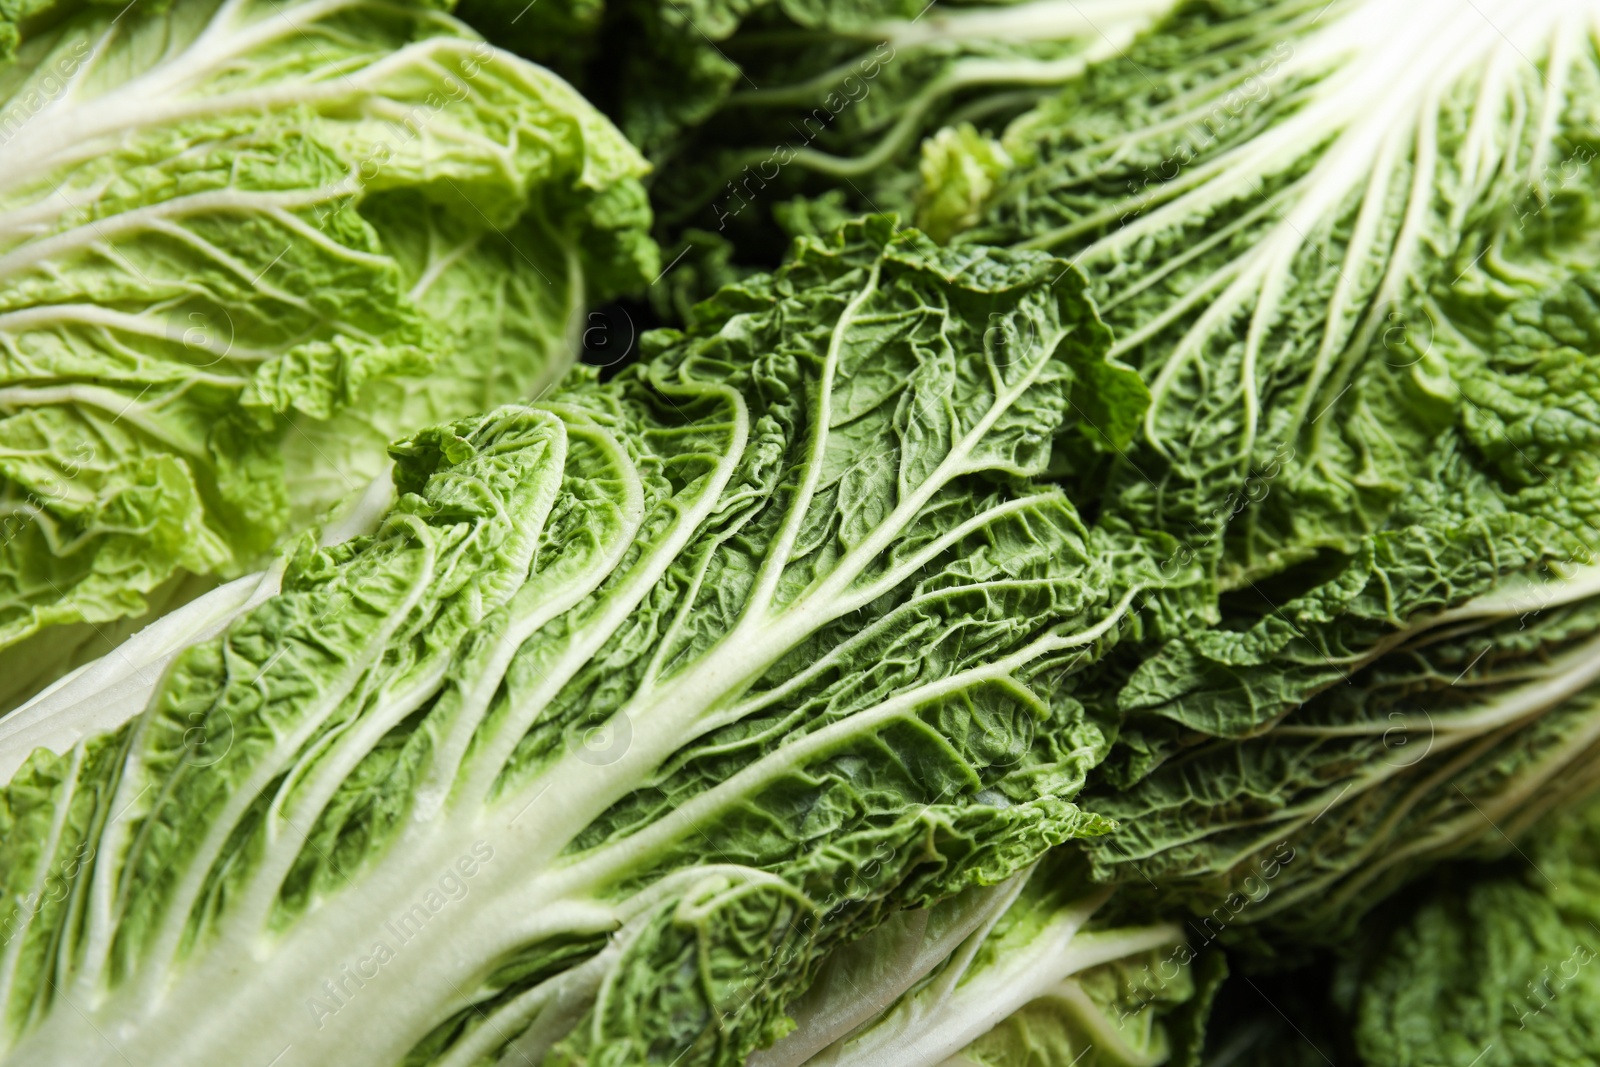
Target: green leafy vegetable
[(1355, 763), (244, 245), (1017, 975), (770, 98), (928, 655), (1500, 972), (1437, 683), (1264, 238), (638, 702), (806, 97), (1368, 333)]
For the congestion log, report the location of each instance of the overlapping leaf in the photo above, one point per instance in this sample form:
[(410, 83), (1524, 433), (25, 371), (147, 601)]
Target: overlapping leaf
[(637, 703), (244, 245)]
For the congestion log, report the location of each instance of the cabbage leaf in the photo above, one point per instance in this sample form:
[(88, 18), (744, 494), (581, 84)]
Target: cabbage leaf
[(244, 245), (638, 702)]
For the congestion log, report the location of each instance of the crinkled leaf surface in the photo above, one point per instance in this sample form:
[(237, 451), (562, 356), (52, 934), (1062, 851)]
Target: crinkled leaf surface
[(1444, 670), (243, 246), (744, 104), (1020, 975), (637, 702), (1367, 331), (1502, 970), (1270, 244)]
